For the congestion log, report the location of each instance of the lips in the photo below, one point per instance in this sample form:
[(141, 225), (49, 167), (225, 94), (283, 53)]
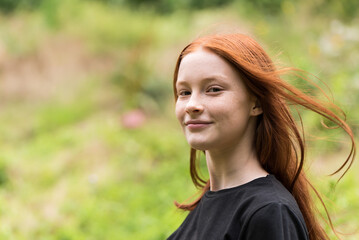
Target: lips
[(197, 124)]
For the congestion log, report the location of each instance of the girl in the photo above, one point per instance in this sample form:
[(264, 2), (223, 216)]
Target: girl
[(233, 106)]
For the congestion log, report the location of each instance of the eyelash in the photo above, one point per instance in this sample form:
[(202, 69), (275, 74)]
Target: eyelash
[(183, 93), (218, 89), (210, 90)]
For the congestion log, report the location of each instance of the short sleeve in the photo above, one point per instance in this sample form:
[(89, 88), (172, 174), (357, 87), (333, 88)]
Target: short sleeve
[(274, 222)]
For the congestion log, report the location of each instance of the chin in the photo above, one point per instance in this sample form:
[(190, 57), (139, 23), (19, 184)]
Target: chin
[(199, 145), (199, 148)]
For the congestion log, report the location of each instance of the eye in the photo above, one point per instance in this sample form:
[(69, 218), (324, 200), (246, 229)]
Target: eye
[(184, 93), (214, 89)]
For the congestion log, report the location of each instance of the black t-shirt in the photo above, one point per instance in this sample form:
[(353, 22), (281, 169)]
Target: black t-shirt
[(260, 209)]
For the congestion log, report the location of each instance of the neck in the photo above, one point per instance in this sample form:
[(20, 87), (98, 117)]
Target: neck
[(233, 166)]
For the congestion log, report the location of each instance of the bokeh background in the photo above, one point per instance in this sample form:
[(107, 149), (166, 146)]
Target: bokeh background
[(89, 145)]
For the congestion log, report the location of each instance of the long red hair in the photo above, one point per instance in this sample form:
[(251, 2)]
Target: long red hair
[(279, 142)]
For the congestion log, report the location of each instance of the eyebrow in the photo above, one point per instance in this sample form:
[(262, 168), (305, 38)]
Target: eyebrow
[(208, 79)]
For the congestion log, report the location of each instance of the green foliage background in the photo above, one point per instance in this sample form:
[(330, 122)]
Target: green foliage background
[(70, 72)]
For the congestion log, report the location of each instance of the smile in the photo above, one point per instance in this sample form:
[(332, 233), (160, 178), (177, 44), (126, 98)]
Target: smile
[(196, 125)]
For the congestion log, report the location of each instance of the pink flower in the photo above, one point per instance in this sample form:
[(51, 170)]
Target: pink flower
[(133, 119)]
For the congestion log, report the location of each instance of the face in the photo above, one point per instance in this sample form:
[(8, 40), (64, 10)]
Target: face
[(213, 107)]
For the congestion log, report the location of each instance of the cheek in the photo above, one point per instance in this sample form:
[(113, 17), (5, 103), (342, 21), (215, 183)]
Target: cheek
[(179, 111), (235, 112)]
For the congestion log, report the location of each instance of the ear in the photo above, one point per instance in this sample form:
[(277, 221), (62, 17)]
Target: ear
[(256, 109)]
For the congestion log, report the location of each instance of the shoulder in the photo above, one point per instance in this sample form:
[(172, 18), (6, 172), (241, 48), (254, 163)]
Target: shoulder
[(273, 198), (275, 221), (271, 191), (267, 191), (274, 213), (250, 197)]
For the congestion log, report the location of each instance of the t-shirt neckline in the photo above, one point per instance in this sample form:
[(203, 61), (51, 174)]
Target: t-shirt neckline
[(220, 192)]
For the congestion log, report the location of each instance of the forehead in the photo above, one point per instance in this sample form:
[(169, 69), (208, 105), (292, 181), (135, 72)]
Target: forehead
[(203, 64)]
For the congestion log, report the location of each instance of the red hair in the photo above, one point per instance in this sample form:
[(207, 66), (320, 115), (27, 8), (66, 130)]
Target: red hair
[(279, 142)]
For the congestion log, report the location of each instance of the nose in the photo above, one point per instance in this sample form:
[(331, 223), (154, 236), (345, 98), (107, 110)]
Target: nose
[(194, 105)]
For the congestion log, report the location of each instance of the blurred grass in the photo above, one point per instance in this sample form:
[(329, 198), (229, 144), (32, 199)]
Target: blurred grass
[(71, 71)]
